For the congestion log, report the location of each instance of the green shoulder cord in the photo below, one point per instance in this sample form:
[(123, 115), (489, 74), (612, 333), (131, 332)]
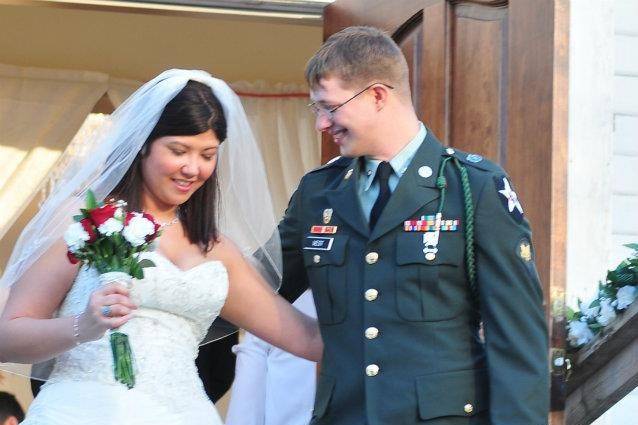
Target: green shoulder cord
[(470, 258)]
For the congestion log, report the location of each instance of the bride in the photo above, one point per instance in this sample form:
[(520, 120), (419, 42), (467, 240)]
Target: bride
[(181, 149)]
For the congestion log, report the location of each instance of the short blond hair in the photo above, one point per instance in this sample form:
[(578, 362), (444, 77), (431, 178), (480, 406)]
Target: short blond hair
[(359, 56)]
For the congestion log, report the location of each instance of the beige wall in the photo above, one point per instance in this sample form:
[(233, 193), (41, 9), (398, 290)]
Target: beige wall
[(139, 46)]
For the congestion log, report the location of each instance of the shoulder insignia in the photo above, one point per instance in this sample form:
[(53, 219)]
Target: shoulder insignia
[(473, 160), (508, 198)]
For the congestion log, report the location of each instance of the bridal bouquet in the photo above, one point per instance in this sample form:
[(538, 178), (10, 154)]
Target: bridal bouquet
[(109, 238)]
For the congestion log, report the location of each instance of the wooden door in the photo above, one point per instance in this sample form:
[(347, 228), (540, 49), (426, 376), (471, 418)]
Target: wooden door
[(490, 77)]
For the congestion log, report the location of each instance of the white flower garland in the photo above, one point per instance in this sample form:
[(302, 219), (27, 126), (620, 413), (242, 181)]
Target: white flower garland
[(618, 292)]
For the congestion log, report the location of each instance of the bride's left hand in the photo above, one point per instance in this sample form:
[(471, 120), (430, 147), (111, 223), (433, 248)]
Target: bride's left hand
[(109, 307)]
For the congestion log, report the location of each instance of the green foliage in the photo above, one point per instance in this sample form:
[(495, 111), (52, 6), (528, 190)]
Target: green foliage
[(91, 202), (625, 274)]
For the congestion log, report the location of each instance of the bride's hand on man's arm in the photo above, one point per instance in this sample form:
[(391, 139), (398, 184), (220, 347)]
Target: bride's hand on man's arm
[(253, 305)]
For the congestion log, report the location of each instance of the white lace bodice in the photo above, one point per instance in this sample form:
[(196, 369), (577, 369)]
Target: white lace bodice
[(175, 309)]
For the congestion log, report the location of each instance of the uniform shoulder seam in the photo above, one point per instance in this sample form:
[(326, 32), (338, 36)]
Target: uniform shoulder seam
[(475, 161), (336, 162)]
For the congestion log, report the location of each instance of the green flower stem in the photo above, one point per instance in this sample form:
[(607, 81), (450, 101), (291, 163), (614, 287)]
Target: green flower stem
[(122, 359)]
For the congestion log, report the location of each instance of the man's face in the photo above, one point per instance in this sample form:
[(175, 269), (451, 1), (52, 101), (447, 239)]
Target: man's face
[(351, 124)]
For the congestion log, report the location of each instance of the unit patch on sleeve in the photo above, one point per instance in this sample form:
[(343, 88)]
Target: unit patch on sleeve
[(508, 198)]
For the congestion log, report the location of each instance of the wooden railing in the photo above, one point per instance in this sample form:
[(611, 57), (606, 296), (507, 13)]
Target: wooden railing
[(604, 371)]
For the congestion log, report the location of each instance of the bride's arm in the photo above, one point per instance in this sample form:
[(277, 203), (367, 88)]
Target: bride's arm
[(29, 334), (252, 305)]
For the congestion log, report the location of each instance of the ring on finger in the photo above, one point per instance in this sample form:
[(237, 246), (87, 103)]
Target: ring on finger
[(106, 310)]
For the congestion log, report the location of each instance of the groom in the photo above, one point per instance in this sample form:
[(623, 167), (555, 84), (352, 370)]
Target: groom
[(381, 236)]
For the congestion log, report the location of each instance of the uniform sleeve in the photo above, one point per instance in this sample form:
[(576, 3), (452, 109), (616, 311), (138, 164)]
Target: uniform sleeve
[(511, 298), (295, 279), (248, 395)]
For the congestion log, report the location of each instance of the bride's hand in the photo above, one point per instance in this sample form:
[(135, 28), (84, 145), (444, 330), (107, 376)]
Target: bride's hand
[(109, 307)]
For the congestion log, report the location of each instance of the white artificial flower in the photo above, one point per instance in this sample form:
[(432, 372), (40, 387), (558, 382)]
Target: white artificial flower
[(110, 226), (607, 313), (626, 295), (137, 229), (579, 333), (589, 312), (75, 237)]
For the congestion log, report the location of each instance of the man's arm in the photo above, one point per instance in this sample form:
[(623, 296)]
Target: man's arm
[(295, 279), (511, 298)]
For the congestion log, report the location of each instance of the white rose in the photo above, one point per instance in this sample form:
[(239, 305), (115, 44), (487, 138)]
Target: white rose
[(75, 237), (579, 333), (137, 229), (626, 295), (607, 313), (110, 226)]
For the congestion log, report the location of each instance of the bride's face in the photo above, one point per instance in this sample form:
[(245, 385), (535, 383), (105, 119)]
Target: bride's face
[(175, 167)]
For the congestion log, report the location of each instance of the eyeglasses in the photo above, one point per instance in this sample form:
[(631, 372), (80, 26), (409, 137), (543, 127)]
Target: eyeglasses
[(329, 111)]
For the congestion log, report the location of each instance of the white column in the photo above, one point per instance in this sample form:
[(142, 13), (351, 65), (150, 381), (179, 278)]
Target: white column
[(591, 71)]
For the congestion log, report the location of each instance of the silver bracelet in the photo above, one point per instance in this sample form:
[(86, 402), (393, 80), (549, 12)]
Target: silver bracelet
[(76, 329)]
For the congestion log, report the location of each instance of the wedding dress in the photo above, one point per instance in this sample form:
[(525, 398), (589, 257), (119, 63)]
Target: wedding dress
[(175, 309)]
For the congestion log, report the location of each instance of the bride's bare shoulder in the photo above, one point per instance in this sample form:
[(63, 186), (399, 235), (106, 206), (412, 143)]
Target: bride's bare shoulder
[(225, 250)]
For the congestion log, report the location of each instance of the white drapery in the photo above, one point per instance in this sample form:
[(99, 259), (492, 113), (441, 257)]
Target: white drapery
[(284, 128), (40, 111)]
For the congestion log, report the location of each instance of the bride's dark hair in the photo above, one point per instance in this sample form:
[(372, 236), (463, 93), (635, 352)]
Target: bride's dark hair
[(194, 110)]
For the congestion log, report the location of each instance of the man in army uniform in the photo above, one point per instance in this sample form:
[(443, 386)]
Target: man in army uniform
[(408, 247)]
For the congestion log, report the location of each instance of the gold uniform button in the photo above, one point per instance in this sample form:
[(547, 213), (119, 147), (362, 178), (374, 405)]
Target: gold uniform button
[(372, 332), (371, 294), (468, 408), (372, 370), (372, 257), (316, 259)]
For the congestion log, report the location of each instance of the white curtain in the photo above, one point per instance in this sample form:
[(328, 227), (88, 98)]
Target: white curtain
[(284, 129), (40, 111)]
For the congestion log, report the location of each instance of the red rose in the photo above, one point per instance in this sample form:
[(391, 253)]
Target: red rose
[(72, 258), (88, 228), (101, 214)]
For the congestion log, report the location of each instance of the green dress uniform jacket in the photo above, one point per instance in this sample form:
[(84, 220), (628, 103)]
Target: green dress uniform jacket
[(401, 334)]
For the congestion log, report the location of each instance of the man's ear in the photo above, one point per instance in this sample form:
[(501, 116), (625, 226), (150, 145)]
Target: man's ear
[(381, 93), (11, 420)]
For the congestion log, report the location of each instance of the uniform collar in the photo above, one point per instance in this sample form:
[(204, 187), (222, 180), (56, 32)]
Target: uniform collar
[(413, 191), (400, 161)]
